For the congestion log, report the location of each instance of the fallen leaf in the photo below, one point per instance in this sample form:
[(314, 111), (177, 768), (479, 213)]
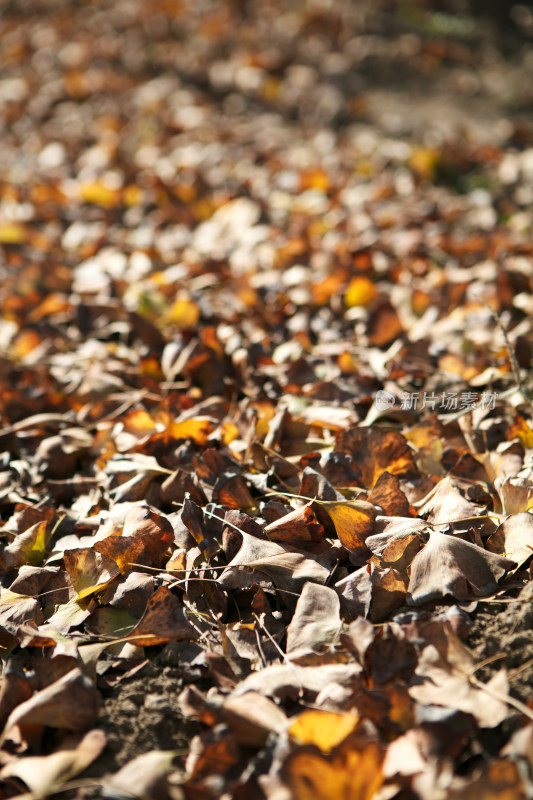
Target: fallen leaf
[(388, 495), (323, 729), (296, 528), (26, 548), (354, 522), (70, 703), (290, 680), (514, 538), (46, 774), (316, 622), (163, 621), (89, 570), (376, 451), (251, 718), (445, 680), (147, 773), (352, 770), (446, 504), (145, 539), (372, 592), (449, 566), (288, 569)]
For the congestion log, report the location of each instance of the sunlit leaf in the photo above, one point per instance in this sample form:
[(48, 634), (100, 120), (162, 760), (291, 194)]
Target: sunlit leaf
[(89, 571), (324, 729), (360, 292)]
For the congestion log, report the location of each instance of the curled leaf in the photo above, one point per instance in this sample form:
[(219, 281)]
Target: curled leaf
[(450, 566)]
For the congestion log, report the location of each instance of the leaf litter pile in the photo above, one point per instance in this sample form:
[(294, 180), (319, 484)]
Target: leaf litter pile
[(266, 449)]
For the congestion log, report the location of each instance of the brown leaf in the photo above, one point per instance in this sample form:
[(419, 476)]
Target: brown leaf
[(314, 484), (44, 774), (252, 717), (445, 680), (89, 570), (163, 621), (316, 622), (399, 544), (15, 609), (376, 451), (145, 540), (514, 538), (15, 688), (290, 680), (147, 773), (297, 528), (450, 566), (288, 569), (446, 504), (70, 703), (387, 494), (515, 494), (372, 592)]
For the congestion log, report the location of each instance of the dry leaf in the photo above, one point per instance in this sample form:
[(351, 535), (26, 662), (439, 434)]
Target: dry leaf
[(514, 538), (316, 622), (145, 540), (446, 504), (70, 703), (89, 570), (44, 774), (323, 729), (352, 771), (354, 522), (296, 528), (163, 621), (145, 775), (376, 451), (252, 718), (449, 566), (445, 680)]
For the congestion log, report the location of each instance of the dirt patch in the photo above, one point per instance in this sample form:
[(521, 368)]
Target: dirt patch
[(140, 714), (506, 629)]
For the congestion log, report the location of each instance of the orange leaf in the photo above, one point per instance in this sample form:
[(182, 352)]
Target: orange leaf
[(145, 539), (352, 771)]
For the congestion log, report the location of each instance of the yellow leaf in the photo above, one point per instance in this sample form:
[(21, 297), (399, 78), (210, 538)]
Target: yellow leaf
[(184, 313), (100, 194), (12, 233), (132, 195), (424, 162), (351, 772), (52, 304), (33, 543), (230, 432), (521, 431), (197, 429), (360, 292), (324, 729), (25, 342), (89, 571), (353, 521)]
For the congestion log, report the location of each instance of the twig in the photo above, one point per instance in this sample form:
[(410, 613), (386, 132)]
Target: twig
[(503, 698), (512, 358)]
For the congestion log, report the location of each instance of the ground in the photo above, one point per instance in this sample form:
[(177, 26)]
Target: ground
[(265, 372)]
